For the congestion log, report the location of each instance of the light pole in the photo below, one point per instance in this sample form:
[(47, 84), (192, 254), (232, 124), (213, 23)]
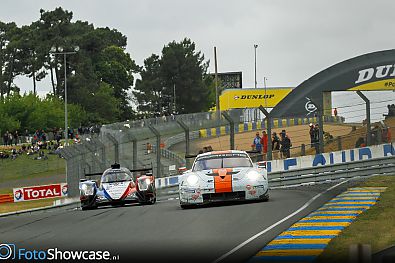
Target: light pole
[(174, 95), (255, 83), (59, 51), (264, 83), (255, 47)]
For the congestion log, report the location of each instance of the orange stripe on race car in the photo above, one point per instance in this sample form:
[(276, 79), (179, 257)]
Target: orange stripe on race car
[(223, 182)]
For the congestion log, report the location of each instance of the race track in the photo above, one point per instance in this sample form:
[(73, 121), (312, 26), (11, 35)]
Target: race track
[(164, 231)]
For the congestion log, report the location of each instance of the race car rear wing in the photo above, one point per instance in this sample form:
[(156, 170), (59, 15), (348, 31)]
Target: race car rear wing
[(118, 166), (195, 155)]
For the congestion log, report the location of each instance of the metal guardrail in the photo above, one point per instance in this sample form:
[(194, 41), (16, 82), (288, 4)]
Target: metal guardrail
[(6, 198), (384, 165)]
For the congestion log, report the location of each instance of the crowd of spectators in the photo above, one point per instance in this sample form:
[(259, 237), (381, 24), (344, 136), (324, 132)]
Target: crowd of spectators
[(10, 138), (280, 144), (37, 145)]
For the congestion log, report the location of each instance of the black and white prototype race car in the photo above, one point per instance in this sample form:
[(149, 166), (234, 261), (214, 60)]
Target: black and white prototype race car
[(118, 186)]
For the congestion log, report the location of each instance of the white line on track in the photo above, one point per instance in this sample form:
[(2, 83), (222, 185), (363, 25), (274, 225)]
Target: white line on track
[(276, 224)]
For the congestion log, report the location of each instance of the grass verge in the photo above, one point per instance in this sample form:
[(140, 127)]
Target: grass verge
[(375, 226), (12, 207), (26, 167)]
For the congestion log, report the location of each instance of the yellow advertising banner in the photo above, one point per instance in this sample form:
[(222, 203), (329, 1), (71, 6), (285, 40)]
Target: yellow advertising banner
[(388, 84), (252, 98)]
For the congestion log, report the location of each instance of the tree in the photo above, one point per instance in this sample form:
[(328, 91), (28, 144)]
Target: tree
[(32, 55), (54, 30), (116, 68), (8, 57), (182, 71), (31, 112), (148, 89)]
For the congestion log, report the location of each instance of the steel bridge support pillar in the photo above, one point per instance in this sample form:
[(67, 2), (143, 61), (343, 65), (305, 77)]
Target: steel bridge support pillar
[(232, 129)]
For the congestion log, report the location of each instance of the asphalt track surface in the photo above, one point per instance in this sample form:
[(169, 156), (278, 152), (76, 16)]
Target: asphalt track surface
[(164, 231)]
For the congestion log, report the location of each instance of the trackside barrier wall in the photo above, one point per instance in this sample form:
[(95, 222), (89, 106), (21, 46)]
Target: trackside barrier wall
[(379, 159), (371, 152)]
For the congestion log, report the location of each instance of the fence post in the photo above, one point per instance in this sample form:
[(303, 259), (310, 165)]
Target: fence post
[(232, 129), (303, 149), (99, 143), (92, 149), (158, 153), (71, 180), (134, 150), (116, 146), (82, 162), (186, 130), (369, 132), (339, 143), (269, 132)]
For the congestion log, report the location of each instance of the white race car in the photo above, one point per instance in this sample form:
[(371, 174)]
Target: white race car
[(221, 176)]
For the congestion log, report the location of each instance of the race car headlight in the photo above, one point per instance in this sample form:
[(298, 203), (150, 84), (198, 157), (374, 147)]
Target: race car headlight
[(87, 189), (144, 184), (253, 175), (192, 180), (147, 181)]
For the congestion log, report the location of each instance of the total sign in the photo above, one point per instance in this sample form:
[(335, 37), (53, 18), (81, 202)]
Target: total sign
[(40, 192)]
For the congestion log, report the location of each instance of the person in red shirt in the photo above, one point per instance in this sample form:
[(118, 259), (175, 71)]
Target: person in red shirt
[(264, 139)]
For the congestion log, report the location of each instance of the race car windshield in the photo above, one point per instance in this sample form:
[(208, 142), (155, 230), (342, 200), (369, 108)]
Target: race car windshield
[(221, 161), (115, 177)]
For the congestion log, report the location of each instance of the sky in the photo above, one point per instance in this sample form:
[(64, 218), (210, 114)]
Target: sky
[(295, 39)]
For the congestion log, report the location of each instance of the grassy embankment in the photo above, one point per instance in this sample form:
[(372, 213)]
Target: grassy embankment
[(25, 171), (375, 226)]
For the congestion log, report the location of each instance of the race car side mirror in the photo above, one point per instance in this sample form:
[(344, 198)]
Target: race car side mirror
[(262, 164)]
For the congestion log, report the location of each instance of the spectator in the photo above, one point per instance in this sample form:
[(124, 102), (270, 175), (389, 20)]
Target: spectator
[(264, 141), (14, 154), (5, 138), (386, 134), (10, 138), (316, 138), (312, 136), (360, 142), (149, 148), (285, 146), (27, 136), (71, 133), (16, 137), (335, 112), (257, 143), (275, 145), (376, 133), (58, 136)]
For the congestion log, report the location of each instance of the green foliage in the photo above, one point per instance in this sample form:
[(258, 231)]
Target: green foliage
[(29, 112), (182, 71), (99, 75), (106, 105), (100, 64)]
